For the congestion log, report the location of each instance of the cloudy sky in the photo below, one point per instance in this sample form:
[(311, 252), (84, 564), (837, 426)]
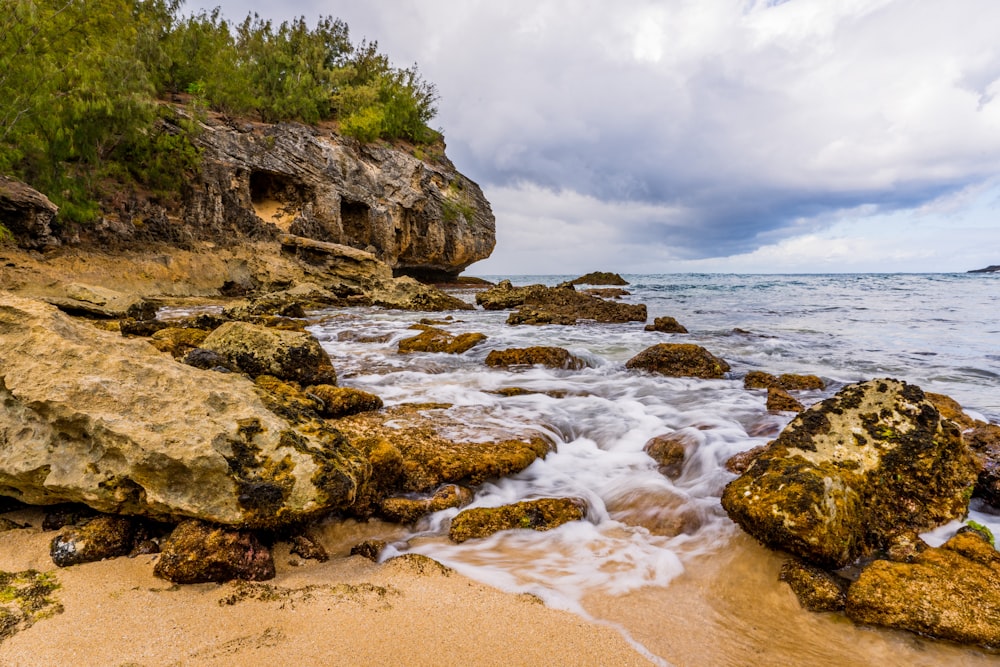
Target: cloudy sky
[(710, 135)]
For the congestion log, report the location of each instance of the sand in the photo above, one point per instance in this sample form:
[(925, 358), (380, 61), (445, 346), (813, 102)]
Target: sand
[(347, 611)]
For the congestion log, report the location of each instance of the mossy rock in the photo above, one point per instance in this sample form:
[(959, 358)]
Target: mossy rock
[(666, 325), (26, 597), (599, 278), (541, 514), (549, 356), (342, 401), (679, 360), (439, 340), (779, 400), (104, 536), (196, 552)]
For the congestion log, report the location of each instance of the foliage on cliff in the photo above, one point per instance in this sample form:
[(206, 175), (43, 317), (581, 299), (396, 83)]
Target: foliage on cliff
[(79, 84)]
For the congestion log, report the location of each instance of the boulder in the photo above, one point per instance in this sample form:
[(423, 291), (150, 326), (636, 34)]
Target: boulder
[(90, 417), (336, 260), (984, 440), (779, 400), (679, 360), (851, 472), (816, 589), (551, 357), (541, 514), (786, 381), (105, 536), (599, 278), (410, 508), (666, 325), (99, 302), (257, 350), (27, 214), (951, 592), (432, 339), (342, 401), (504, 295), (669, 451), (197, 553), (405, 293), (556, 305)]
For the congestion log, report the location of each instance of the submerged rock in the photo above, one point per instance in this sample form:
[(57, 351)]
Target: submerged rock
[(785, 381), (951, 592), (257, 350), (105, 536), (408, 509), (669, 451), (551, 357), (666, 325), (779, 400), (198, 553), (679, 360), (432, 339), (541, 514), (849, 473)]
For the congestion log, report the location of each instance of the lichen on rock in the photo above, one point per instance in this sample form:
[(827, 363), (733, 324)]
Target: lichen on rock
[(540, 514)]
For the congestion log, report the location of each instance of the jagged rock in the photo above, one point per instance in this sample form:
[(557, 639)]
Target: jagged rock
[(408, 509), (951, 592), (950, 409), (342, 262), (176, 341), (370, 549), (556, 305), (421, 218), (779, 400), (104, 536), (101, 302), (287, 355), (197, 553), (308, 546), (432, 339), (90, 417), (541, 514), (738, 463), (984, 440), (405, 293), (342, 401), (27, 214), (599, 278), (669, 451), (551, 357), (786, 381), (852, 471), (816, 589), (666, 325), (679, 360), (607, 292)]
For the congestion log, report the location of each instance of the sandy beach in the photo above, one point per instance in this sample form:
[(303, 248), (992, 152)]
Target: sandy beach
[(347, 611)]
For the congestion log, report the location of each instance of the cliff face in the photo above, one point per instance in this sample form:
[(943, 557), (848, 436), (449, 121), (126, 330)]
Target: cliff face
[(422, 218)]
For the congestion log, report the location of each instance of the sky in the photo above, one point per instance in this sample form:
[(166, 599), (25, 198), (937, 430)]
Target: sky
[(745, 136)]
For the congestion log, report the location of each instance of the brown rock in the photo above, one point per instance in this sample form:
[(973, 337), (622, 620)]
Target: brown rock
[(556, 305), (308, 546), (679, 360), (198, 553), (176, 341), (541, 514), (342, 401), (104, 536), (786, 381), (370, 549), (779, 400), (287, 355), (950, 409), (984, 440), (816, 589), (669, 451), (738, 463), (408, 509), (551, 357), (599, 278), (439, 340), (666, 325)]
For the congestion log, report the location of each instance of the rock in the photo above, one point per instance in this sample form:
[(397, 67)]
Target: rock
[(786, 381), (951, 592), (26, 597), (27, 214), (408, 509), (679, 360), (308, 546), (556, 305), (432, 339), (852, 471), (551, 357), (666, 325), (370, 549), (197, 553), (291, 302), (669, 451), (950, 409), (130, 326), (816, 589), (178, 342), (342, 401), (207, 360), (607, 292), (504, 295), (287, 355), (738, 463), (102, 537), (541, 514), (405, 293), (90, 417), (101, 302), (335, 260), (599, 278), (984, 440), (779, 400), (992, 268)]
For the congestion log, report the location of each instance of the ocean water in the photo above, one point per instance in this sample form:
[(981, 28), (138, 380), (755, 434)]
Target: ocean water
[(650, 543)]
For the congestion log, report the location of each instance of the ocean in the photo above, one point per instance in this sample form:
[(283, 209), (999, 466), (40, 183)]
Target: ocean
[(658, 558)]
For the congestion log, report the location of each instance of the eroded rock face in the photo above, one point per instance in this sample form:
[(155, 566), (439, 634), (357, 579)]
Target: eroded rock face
[(87, 416), (852, 471), (951, 592), (541, 514), (551, 357), (679, 360)]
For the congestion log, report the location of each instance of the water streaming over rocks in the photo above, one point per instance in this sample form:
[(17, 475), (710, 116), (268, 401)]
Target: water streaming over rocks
[(645, 532)]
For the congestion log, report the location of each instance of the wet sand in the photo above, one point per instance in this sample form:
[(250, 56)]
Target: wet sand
[(347, 611)]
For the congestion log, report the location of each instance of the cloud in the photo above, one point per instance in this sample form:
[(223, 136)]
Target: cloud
[(713, 127)]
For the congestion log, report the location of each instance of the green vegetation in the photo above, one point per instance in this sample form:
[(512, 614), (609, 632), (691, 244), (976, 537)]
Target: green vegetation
[(82, 84), (986, 532)]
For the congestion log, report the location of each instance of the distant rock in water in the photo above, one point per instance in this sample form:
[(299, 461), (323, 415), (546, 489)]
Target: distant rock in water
[(993, 268), (599, 278)]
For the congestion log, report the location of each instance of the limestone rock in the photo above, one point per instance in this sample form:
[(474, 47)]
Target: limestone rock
[(599, 278), (852, 471), (287, 355), (408, 509), (551, 357), (351, 265), (779, 400), (541, 514), (951, 592), (669, 451), (432, 339), (105, 536), (786, 381), (679, 360), (90, 417), (405, 293), (196, 553), (666, 325), (816, 589), (342, 401)]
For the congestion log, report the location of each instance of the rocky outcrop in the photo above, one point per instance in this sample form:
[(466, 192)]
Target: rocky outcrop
[(548, 356), (992, 268), (539, 304), (785, 381), (91, 417), (432, 339), (27, 214), (853, 471), (599, 278), (679, 360), (422, 218), (666, 324), (541, 514)]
